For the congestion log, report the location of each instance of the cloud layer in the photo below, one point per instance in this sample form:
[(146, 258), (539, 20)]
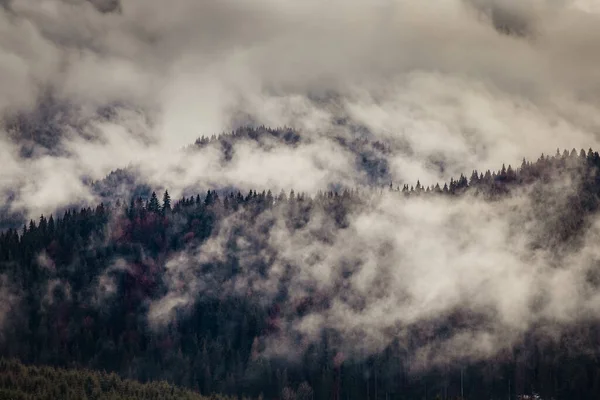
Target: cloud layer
[(451, 279), (458, 81)]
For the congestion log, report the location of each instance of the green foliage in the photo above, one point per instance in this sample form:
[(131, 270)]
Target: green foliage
[(18, 381)]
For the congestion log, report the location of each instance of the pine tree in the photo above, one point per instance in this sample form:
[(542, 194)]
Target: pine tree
[(153, 204), (51, 224), (131, 209), (510, 173), (166, 207), (474, 178), (208, 200)]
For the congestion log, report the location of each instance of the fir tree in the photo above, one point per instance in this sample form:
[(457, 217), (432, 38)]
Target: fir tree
[(166, 207), (153, 204)]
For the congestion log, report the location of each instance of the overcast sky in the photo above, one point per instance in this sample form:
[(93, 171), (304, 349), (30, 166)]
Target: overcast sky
[(442, 75)]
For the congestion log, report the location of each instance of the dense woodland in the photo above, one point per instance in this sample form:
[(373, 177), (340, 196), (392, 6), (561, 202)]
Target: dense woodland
[(20, 382), (54, 313), (370, 158), (369, 154)]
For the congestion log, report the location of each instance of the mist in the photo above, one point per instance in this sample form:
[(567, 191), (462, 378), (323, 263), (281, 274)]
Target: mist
[(443, 79), (452, 85), (399, 267)]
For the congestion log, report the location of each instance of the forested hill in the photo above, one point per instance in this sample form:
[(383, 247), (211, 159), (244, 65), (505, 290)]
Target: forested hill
[(20, 382), (216, 292), (370, 155)]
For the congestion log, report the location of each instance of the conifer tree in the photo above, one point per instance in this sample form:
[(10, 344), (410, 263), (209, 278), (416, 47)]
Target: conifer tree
[(153, 204), (166, 207)]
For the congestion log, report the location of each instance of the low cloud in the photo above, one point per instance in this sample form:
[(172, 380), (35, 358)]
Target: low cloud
[(441, 80), (451, 279)]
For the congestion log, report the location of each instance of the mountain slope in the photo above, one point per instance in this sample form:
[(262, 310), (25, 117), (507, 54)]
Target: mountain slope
[(20, 382), (272, 294)]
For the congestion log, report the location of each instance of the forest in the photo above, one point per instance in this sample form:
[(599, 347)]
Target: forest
[(294, 200), (90, 288), (20, 382)]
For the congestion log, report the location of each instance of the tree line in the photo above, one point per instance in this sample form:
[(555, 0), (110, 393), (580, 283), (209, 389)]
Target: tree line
[(25, 382), (70, 304)]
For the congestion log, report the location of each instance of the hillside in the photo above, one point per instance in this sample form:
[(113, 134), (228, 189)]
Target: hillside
[(294, 200), (20, 382), (210, 292)]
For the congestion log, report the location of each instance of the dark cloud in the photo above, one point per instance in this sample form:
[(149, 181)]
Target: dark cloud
[(107, 6)]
